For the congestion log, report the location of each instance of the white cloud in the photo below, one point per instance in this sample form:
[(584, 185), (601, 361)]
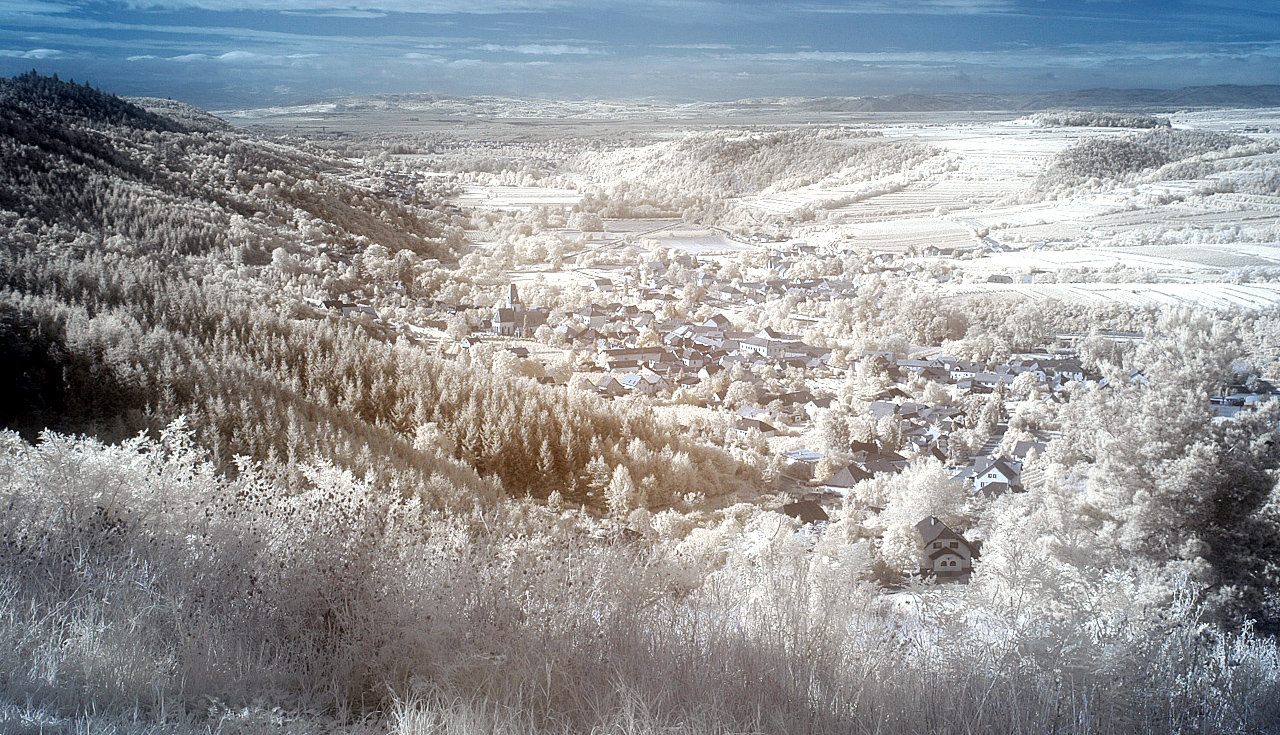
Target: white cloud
[(698, 46), (9, 7), (371, 8), (241, 56), (337, 13), (913, 7), (537, 49), (35, 53)]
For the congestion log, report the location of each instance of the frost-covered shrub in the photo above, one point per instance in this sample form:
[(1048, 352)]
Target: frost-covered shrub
[(188, 587)]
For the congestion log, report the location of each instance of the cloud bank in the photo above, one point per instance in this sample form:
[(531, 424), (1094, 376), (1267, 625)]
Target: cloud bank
[(233, 52)]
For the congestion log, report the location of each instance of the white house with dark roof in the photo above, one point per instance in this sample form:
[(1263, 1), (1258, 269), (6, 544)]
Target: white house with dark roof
[(988, 470), (945, 554), (645, 382)]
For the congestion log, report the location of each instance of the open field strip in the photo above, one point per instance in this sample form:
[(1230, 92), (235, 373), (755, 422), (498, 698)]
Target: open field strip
[(904, 233), (918, 199), (516, 197), (1171, 218), (1211, 295), (1186, 258), (1073, 211), (812, 196), (696, 241), (1261, 123)]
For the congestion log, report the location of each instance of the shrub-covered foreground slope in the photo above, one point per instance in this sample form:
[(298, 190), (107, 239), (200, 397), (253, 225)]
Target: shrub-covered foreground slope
[(138, 583), (337, 536)]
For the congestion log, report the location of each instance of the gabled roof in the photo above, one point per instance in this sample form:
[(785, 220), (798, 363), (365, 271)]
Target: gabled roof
[(807, 511), (880, 409), (931, 529), (999, 464), (847, 477), (880, 464), (745, 424)]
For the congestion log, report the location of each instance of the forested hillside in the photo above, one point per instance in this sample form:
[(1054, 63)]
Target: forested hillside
[(1112, 159), (131, 288), (693, 173)]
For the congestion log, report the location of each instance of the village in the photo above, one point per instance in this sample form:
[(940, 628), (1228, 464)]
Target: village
[(640, 337)]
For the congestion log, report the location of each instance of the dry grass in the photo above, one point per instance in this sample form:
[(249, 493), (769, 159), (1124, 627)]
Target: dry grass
[(195, 604)]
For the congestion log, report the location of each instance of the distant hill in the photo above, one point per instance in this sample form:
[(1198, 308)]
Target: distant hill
[(1087, 99), (45, 99), (394, 111), (187, 115)]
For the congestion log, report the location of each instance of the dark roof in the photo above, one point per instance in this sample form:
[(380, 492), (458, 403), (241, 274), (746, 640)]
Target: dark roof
[(847, 476), (931, 529), (807, 511)]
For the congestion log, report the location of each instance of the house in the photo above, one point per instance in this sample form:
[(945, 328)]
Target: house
[(593, 316), (996, 489), (885, 462), (768, 343), (645, 382), (746, 426), (846, 478), (880, 409), (945, 554), (1023, 448), (719, 321), (806, 511), (993, 469), (812, 408), (609, 386), (350, 310), (642, 355)]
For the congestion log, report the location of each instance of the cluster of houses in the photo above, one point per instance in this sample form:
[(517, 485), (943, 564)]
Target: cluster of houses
[(686, 354)]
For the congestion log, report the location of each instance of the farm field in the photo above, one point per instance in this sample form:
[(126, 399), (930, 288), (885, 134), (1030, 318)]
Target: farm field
[(905, 234), (978, 203), (698, 241), (1170, 258), (516, 197), (1209, 295)]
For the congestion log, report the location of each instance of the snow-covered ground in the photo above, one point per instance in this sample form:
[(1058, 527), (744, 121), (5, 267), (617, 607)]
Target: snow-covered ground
[(1186, 235), (1170, 258), (516, 197), (1212, 295)]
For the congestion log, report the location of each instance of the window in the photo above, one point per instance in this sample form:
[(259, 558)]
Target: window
[(955, 544), (937, 544)]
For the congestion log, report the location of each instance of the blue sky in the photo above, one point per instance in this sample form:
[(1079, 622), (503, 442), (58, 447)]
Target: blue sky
[(230, 53)]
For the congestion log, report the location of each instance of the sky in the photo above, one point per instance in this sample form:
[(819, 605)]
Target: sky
[(240, 53)]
